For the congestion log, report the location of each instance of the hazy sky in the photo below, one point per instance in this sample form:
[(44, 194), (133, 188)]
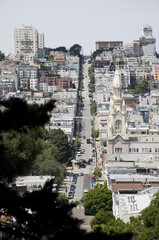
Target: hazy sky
[(66, 22)]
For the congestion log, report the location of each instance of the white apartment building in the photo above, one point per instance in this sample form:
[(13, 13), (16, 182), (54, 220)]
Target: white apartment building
[(34, 84), (28, 41), (127, 205)]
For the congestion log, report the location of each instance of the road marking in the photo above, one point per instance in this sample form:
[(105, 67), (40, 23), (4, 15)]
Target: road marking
[(74, 200), (78, 207)]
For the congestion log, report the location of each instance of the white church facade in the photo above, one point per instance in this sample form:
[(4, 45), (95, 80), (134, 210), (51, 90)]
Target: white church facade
[(119, 141)]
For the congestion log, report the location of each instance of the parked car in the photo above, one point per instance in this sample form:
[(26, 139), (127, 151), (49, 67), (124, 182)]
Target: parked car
[(90, 160), (72, 189), (70, 195), (85, 190)]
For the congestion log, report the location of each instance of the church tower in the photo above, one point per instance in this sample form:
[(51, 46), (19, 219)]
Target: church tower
[(118, 141)]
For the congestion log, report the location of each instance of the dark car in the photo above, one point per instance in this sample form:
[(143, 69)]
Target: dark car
[(70, 194)]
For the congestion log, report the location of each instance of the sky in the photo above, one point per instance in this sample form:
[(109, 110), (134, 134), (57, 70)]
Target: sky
[(83, 22)]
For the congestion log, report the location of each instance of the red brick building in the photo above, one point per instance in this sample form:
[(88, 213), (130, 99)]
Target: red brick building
[(61, 83), (129, 101)]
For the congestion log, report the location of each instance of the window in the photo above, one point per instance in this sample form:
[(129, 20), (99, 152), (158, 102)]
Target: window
[(118, 150), (118, 125)]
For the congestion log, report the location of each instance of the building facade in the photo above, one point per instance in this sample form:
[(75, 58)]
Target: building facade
[(105, 45), (147, 42), (27, 41), (118, 141)]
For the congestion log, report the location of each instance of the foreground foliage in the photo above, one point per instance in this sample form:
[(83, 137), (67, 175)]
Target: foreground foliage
[(99, 198)]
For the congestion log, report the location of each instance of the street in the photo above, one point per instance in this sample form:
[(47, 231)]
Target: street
[(83, 182)]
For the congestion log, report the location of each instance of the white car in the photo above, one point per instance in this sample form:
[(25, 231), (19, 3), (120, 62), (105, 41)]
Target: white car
[(85, 190), (78, 153)]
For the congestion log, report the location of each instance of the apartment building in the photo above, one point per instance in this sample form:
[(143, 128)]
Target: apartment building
[(27, 41), (62, 83), (105, 45), (155, 71)]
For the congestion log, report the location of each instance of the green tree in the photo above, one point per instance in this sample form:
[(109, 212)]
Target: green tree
[(97, 172), (93, 107), (75, 50), (92, 87), (91, 75), (2, 56), (61, 49), (102, 217), (98, 199), (136, 226), (46, 164), (95, 134), (117, 227), (19, 135), (76, 145), (49, 215), (20, 150), (60, 141)]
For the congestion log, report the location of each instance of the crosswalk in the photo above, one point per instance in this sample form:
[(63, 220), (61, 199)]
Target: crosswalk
[(78, 207), (76, 201)]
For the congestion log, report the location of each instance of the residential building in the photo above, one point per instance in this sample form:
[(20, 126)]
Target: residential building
[(156, 72), (136, 48), (61, 83), (129, 101), (27, 41), (128, 205), (147, 42), (105, 45), (34, 84)]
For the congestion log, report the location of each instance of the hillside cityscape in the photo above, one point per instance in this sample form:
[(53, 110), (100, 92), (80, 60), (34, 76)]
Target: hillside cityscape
[(79, 139)]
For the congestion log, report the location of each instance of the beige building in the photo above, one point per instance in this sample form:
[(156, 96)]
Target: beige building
[(27, 41), (156, 71)]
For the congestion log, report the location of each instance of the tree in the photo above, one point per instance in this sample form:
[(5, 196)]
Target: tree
[(76, 145), (117, 228), (136, 226), (61, 49), (19, 135), (102, 217), (46, 164), (19, 151), (97, 172), (91, 75), (75, 50), (93, 107), (92, 87), (60, 141), (98, 199), (95, 134), (38, 214), (2, 56)]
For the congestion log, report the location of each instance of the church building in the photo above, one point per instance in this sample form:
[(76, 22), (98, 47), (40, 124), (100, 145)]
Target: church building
[(118, 140)]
